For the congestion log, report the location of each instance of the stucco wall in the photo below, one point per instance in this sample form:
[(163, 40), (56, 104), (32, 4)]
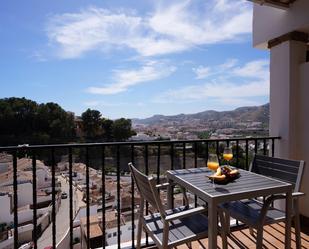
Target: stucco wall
[(5, 210), (289, 106), (303, 146), (24, 193), (269, 22)]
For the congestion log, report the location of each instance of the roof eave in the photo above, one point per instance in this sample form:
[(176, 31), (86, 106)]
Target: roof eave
[(273, 3)]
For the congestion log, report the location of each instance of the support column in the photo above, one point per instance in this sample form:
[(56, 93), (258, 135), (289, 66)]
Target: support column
[(289, 102)]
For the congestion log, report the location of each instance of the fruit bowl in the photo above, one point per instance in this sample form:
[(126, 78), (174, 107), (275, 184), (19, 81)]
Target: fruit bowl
[(224, 175)]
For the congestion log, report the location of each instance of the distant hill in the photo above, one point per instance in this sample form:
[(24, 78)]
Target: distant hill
[(241, 114)]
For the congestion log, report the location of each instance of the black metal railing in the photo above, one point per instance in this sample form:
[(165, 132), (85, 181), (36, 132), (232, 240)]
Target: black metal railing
[(147, 156)]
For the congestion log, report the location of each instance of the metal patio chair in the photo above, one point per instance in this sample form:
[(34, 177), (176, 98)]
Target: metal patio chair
[(256, 213), (169, 228)]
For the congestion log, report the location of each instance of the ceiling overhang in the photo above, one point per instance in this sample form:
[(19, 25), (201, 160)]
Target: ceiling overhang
[(285, 4)]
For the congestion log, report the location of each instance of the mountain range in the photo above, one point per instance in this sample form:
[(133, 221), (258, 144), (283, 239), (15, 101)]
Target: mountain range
[(241, 114)]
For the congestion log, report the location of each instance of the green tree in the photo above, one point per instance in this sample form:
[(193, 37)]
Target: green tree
[(58, 123), (122, 129), (24, 121), (107, 126), (204, 135), (92, 123)]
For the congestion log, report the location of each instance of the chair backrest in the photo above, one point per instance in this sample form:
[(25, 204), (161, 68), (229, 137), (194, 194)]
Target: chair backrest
[(147, 189), (286, 170)]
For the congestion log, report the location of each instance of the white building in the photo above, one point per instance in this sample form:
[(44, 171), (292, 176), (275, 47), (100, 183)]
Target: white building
[(25, 199)]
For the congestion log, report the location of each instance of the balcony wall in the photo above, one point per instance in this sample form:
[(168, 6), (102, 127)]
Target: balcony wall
[(282, 21)]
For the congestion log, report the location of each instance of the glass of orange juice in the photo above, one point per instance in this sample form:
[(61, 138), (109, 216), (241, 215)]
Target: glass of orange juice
[(213, 164), (227, 154)]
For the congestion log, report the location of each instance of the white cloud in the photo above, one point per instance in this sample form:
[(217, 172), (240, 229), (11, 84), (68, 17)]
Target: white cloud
[(208, 26), (174, 26), (217, 90), (124, 79), (201, 72), (239, 84), (230, 63), (253, 69)]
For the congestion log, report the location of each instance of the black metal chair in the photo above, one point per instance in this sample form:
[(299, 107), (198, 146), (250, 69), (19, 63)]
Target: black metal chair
[(256, 213), (169, 228)]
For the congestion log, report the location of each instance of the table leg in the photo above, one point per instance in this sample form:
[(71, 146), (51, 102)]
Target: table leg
[(288, 212), (212, 225), (170, 194)]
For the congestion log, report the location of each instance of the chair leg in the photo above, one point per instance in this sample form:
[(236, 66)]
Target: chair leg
[(259, 237), (251, 231), (139, 233), (227, 222), (297, 224), (165, 235)]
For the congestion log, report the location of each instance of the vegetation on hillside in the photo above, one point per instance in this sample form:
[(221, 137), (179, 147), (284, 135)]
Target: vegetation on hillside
[(23, 121)]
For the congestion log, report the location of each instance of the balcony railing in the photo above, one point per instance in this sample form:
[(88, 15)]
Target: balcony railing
[(153, 158)]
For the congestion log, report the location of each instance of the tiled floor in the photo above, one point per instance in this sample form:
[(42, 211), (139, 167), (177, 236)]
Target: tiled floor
[(273, 238)]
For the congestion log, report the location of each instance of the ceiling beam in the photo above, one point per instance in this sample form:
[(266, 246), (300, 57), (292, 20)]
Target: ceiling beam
[(292, 36)]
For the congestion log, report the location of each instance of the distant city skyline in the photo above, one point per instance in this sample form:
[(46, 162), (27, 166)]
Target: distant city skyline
[(132, 59)]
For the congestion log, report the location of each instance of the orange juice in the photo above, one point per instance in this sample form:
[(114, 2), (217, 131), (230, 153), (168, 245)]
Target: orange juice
[(227, 157), (213, 165)]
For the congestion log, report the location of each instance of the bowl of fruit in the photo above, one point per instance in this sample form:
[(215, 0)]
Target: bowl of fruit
[(224, 174)]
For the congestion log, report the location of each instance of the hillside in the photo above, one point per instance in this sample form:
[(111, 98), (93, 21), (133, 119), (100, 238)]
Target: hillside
[(241, 114)]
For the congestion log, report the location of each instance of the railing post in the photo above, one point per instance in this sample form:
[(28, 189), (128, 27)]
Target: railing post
[(247, 154), (53, 198), (158, 163), (237, 153), (206, 151), (103, 198), (15, 200), (217, 149), (118, 196), (172, 167), (132, 200), (87, 197), (71, 196), (272, 147), (255, 146), (195, 166), (183, 155), (146, 173), (34, 203)]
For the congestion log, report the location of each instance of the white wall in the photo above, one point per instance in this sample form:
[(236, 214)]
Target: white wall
[(65, 241), (5, 209), (82, 212), (7, 244), (24, 215), (126, 233), (269, 23), (27, 214), (303, 138), (43, 174), (24, 193), (289, 106), (3, 167)]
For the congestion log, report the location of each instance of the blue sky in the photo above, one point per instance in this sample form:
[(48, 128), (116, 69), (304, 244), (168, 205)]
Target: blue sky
[(132, 58)]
